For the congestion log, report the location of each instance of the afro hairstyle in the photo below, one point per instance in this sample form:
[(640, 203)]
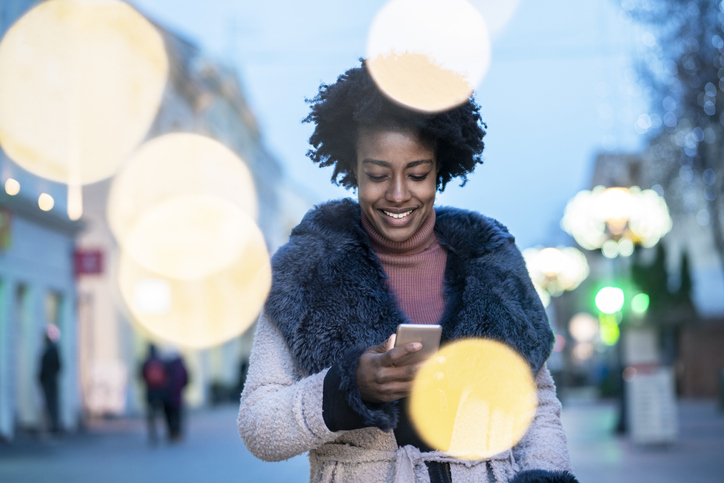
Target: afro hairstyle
[(354, 101)]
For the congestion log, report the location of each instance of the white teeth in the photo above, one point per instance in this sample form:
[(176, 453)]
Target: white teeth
[(397, 215)]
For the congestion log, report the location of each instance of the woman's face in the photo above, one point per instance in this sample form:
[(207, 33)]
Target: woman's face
[(396, 180)]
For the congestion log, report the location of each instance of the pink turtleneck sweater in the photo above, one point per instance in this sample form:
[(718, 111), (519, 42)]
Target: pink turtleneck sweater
[(415, 269)]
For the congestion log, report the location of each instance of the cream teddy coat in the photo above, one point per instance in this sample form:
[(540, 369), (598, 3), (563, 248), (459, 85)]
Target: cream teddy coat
[(329, 302)]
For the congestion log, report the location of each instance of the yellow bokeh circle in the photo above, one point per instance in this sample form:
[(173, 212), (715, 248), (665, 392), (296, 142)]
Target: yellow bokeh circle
[(474, 400), (428, 55), (174, 165), (80, 84), (190, 237), (205, 311)]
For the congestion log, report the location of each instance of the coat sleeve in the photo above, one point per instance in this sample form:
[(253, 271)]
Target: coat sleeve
[(544, 445), (280, 415)]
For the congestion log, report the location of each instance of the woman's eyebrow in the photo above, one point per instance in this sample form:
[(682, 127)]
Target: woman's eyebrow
[(412, 164), (385, 164)]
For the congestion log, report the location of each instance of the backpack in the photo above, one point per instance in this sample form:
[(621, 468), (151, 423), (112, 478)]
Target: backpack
[(154, 373)]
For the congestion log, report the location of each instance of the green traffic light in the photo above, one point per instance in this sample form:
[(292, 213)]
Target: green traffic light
[(640, 303), (609, 300)]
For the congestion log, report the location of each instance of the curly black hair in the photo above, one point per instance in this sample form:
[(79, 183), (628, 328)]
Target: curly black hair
[(340, 109)]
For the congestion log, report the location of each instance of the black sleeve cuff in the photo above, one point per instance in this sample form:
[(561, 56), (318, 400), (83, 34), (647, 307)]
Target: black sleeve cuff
[(543, 476), (342, 405)]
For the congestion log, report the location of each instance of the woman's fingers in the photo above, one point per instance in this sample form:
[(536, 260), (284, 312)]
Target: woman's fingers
[(393, 355), (388, 375)]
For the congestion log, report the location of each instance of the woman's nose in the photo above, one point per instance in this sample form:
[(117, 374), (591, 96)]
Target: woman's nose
[(398, 191)]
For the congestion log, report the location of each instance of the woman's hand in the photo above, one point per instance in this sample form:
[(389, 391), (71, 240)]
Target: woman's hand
[(378, 379)]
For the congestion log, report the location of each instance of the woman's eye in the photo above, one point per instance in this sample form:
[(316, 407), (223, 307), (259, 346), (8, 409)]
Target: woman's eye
[(418, 177), (376, 178)]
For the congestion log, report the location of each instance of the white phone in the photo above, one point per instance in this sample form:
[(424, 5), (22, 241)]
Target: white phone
[(427, 334)]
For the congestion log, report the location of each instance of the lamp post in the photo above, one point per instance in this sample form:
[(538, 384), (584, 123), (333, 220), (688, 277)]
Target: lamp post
[(616, 220)]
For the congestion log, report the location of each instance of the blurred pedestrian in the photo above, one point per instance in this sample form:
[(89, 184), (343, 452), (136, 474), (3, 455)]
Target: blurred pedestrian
[(173, 400), (155, 378), (49, 369)]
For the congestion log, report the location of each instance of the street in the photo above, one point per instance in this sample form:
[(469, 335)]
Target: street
[(117, 451)]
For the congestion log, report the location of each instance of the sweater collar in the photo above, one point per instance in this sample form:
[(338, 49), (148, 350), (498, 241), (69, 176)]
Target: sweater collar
[(419, 242)]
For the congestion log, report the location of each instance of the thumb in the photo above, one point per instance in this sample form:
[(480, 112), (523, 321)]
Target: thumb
[(384, 346)]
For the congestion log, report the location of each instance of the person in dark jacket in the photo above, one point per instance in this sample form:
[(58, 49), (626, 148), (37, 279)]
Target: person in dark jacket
[(173, 400), (323, 373), (155, 378), (49, 369)]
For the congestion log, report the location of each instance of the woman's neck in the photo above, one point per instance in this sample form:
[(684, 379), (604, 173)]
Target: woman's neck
[(417, 243)]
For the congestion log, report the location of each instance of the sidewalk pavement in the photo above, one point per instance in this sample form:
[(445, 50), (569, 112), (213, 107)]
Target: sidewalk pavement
[(599, 456), (116, 451)]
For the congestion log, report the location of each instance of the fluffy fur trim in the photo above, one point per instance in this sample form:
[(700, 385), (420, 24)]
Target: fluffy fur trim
[(543, 476), (329, 291)]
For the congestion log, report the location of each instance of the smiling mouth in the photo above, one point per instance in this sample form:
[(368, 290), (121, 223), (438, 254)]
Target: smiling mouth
[(397, 215)]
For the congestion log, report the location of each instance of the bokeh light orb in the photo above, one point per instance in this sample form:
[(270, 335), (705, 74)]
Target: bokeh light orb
[(583, 327), (609, 300), (428, 55), (80, 84), (190, 237), (45, 202), (556, 270), (616, 219), (176, 165), (12, 186), (202, 312), (475, 399)]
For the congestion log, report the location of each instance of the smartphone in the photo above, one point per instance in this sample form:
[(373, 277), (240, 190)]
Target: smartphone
[(427, 334)]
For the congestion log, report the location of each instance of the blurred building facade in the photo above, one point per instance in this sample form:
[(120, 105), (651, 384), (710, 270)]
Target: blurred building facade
[(37, 288), (56, 271), (204, 97)]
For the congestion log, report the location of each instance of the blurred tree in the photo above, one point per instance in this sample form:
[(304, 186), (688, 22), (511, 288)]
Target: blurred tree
[(652, 279), (683, 66), (683, 295)]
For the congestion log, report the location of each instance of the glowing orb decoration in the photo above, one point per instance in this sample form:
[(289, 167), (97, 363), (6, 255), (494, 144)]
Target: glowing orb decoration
[(475, 399), (176, 165), (203, 312), (189, 237), (609, 300), (556, 269), (12, 186), (428, 55), (615, 219), (583, 351), (45, 202), (608, 326), (640, 303), (583, 327), (80, 84)]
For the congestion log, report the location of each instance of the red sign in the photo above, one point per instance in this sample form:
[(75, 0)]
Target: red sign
[(88, 262)]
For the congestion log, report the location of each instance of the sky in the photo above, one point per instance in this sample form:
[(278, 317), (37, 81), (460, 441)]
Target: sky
[(559, 90)]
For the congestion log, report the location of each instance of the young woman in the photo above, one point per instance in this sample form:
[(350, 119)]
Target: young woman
[(322, 376)]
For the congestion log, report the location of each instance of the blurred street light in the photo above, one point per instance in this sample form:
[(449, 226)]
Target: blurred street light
[(616, 219), (609, 300), (555, 270)]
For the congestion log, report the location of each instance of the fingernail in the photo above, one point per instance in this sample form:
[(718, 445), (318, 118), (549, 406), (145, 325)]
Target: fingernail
[(416, 345)]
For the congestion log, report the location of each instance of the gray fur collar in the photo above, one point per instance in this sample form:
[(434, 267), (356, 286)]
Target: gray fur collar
[(329, 294)]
